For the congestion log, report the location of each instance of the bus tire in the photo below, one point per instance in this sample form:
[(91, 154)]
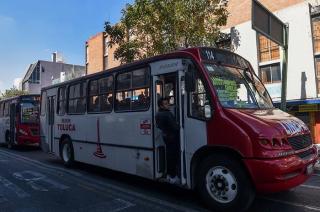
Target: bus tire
[(224, 185), (66, 152)]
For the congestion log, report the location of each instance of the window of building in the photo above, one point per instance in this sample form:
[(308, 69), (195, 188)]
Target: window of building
[(268, 50), (270, 73), (105, 62), (35, 76), (62, 100), (100, 95), (132, 90), (77, 98), (106, 46), (316, 34), (317, 61)]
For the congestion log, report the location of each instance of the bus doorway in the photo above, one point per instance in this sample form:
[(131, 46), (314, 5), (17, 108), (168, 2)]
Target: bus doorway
[(167, 86)]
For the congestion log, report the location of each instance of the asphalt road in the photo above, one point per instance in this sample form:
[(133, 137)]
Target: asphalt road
[(31, 180)]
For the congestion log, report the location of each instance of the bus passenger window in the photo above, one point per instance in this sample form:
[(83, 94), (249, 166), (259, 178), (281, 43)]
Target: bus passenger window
[(1, 109), (100, 95), (43, 103), (76, 98), (132, 91)]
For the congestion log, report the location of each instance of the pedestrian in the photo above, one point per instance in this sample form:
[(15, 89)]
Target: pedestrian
[(170, 132)]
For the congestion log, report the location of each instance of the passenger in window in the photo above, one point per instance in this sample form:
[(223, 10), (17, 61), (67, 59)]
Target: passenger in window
[(170, 132), (96, 106)]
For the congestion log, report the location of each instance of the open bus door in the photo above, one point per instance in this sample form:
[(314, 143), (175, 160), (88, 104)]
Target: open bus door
[(168, 85), (13, 111), (159, 146)]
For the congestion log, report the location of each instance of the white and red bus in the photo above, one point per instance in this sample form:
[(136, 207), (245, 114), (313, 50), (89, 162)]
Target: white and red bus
[(233, 142), (19, 121)]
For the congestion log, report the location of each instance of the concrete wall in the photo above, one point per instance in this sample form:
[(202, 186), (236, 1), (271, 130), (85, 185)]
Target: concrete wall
[(95, 53)]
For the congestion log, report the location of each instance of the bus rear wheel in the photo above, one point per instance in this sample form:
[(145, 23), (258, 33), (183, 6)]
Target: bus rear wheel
[(66, 152), (224, 185)]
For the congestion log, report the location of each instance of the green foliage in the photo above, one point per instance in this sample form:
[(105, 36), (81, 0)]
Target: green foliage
[(152, 27), (12, 92)]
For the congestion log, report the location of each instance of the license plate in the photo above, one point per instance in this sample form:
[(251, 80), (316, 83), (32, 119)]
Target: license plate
[(310, 168)]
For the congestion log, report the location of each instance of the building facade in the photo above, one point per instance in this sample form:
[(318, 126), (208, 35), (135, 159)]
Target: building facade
[(303, 77), (99, 56), (44, 73)]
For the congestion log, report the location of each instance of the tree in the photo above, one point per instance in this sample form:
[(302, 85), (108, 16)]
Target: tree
[(152, 27), (12, 92)]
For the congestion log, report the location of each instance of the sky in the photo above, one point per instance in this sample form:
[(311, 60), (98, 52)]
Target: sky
[(31, 30)]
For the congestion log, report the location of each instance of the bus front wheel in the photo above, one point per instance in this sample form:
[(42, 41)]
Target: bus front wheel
[(66, 152), (224, 185)]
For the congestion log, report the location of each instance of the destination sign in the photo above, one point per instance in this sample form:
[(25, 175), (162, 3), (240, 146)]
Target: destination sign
[(30, 98), (223, 57)]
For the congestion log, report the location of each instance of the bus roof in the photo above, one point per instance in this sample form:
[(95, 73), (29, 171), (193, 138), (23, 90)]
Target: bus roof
[(206, 54), (20, 96)]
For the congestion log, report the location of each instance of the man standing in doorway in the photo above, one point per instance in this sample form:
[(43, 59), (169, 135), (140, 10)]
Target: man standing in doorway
[(170, 131)]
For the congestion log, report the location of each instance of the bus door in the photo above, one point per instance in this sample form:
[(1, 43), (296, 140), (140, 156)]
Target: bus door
[(160, 161), (51, 110), (167, 85), (13, 112)]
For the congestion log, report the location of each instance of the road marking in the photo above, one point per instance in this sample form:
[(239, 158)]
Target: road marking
[(35, 179), (40, 164), (114, 205), (310, 186), (123, 205), (310, 207), (19, 192), (98, 184)]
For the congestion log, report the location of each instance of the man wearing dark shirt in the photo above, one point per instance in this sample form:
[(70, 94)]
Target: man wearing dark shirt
[(170, 130)]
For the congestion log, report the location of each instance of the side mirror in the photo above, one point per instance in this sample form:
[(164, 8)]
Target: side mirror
[(207, 112), (190, 80)]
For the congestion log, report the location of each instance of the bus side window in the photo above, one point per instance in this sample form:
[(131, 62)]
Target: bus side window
[(76, 98), (133, 90), (43, 103), (61, 100), (1, 109), (100, 95), (6, 109), (198, 99)]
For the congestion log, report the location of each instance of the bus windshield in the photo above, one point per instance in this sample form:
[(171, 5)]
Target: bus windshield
[(29, 112), (238, 88)]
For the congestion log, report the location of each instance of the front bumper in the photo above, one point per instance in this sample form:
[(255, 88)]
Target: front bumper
[(274, 175), (28, 140)]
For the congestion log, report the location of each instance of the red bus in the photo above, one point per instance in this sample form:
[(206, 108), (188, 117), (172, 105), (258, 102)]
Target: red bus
[(233, 141), (19, 121)]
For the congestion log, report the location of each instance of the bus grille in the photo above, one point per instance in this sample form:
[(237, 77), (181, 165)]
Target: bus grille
[(305, 154), (300, 141)]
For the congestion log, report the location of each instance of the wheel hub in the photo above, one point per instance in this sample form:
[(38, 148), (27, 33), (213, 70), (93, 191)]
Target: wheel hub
[(221, 184)]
